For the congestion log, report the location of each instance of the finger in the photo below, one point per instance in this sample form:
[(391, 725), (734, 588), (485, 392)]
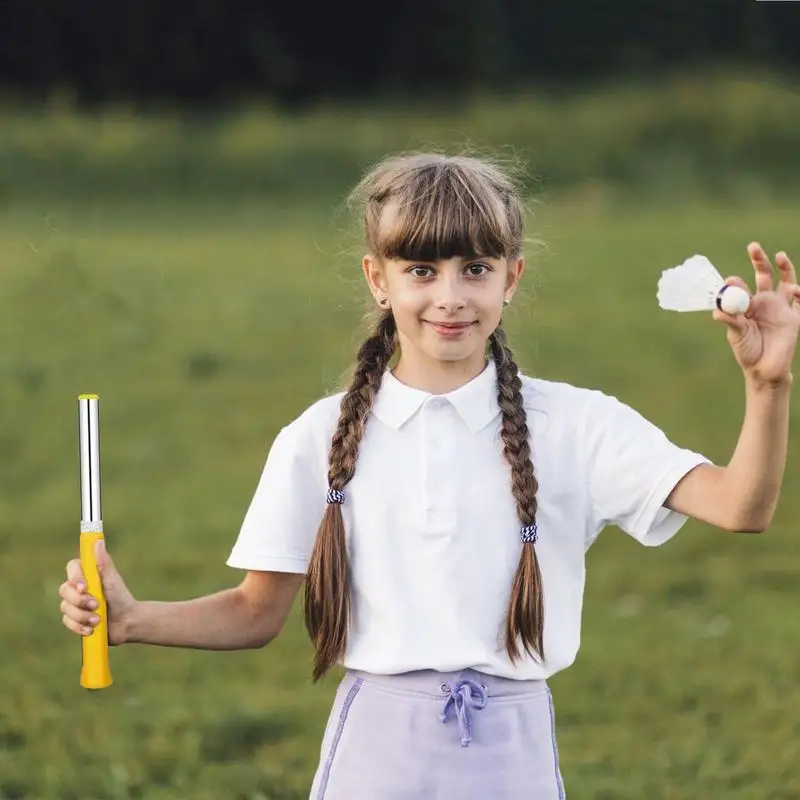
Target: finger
[(735, 280), (786, 272), (78, 615), (736, 322), (762, 267), (75, 574), (69, 594), (76, 627)]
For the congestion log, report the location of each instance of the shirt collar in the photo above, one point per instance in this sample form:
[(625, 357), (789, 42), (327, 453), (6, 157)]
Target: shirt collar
[(475, 401)]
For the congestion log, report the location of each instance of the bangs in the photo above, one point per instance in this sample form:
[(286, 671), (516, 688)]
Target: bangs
[(442, 214)]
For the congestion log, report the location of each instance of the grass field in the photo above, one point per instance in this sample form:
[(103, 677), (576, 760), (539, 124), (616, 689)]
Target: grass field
[(206, 322), (206, 328)]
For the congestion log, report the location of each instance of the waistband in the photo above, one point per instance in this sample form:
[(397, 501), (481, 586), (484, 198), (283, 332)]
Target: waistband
[(435, 684)]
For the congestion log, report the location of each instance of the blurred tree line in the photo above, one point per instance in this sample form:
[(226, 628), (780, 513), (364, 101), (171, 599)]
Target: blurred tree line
[(209, 51)]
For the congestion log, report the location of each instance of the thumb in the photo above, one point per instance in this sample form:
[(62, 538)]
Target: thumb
[(105, 565), (737, 323)]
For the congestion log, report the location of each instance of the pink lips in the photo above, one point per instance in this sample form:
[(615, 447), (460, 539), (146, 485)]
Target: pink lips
[(451, 330)]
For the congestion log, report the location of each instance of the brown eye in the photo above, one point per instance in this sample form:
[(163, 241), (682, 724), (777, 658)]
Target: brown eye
[(477, 270), (420, 271)]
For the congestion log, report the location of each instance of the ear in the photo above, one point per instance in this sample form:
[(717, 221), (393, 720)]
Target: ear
[(515, 269), (373, 272)]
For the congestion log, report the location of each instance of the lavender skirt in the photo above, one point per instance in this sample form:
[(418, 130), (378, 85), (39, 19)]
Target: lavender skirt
[(439, 736)]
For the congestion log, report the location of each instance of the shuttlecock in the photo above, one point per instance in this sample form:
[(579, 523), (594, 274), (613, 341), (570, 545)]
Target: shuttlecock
[(696, 285)]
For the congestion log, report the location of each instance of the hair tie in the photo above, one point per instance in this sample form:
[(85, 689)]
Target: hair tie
[(335, 496), (529, 533)]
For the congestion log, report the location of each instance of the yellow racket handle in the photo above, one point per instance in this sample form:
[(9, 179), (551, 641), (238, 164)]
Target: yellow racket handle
[(95, 669)]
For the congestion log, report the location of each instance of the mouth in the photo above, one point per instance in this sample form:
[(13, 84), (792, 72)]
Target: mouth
[(450, 329)]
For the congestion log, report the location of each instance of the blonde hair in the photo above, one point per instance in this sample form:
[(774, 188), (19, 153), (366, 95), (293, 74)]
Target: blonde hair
[(428, 207)]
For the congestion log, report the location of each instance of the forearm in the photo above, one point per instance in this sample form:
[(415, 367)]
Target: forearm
[(754, 474), (222, 621)]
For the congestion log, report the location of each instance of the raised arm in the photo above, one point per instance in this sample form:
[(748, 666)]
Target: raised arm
[(743, 495)]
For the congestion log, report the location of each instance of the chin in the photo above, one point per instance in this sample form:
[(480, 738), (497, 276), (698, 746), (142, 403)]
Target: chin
[(450, 353)]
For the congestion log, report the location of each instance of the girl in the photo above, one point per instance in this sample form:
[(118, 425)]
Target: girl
[(457, 499)]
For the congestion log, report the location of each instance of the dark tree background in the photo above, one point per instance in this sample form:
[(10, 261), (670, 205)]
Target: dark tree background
[(209, 51)]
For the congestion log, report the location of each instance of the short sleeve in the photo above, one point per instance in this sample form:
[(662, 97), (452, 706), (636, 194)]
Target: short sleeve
[(632, 468), (281, 522)]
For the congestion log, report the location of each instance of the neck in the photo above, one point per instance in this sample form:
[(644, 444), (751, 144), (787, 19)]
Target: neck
[(438, 377)]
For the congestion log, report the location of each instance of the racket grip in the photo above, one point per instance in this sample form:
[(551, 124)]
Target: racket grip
[(95, 669)]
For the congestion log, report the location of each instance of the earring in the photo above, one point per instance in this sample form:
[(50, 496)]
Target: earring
[(506, 303), (383, 302)]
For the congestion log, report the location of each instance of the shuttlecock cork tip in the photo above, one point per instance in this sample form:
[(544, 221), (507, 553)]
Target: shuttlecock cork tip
[(732, 299)]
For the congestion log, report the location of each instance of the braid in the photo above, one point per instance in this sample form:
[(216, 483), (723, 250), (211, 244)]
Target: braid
[(373, 358), (327, 589), (525, 620)]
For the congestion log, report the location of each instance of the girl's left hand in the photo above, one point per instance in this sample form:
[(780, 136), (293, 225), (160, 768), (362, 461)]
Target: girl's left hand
[(763, 339)]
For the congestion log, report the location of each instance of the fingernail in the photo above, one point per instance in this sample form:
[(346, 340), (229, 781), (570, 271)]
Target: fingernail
[(94, 619), (81, 586), (92, 605), (86, 629)]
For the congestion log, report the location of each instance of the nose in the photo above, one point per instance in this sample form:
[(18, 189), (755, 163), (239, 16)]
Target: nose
[(450, 295)]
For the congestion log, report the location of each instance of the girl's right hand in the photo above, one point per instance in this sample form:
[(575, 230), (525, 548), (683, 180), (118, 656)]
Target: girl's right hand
[(78, 607)]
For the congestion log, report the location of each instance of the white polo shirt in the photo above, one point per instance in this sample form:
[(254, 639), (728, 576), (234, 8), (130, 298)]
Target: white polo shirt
[(432, 528)]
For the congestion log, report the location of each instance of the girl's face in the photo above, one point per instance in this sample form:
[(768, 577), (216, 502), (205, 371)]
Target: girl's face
[(444, 310)]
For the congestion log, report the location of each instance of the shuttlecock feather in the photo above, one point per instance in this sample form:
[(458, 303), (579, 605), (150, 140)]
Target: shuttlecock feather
[(696, 285)]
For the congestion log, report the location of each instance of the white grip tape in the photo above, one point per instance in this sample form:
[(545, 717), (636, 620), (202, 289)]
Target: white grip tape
[(92, 527)]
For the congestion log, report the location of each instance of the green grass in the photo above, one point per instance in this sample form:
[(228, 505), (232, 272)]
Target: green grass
[(205, 326)]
